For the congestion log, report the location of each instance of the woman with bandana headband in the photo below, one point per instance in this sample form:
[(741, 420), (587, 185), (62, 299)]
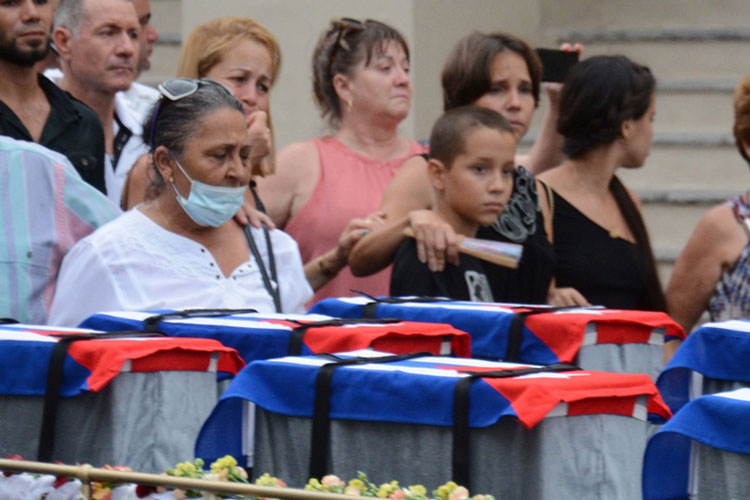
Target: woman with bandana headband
[(183, 249)]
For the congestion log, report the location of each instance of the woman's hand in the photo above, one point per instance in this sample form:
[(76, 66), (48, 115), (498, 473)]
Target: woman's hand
[(437, 242), (260, 139), (566, 297), (355, 231), (248, 214), (322, 269)]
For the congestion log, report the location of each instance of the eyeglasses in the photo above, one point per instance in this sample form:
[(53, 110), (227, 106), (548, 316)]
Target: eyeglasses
[(180, 88), (344, 25)]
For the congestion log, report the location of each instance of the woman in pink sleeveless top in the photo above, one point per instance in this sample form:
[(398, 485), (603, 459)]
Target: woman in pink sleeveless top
[(326, 191)]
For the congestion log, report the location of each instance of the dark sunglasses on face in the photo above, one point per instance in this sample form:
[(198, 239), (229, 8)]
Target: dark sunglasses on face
[(180, 88)]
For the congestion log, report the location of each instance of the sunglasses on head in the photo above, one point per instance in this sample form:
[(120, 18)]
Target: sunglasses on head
[(344, 25), (180, 88)]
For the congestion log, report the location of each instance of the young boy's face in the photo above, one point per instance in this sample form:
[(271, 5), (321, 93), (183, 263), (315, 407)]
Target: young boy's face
[(479, 183)]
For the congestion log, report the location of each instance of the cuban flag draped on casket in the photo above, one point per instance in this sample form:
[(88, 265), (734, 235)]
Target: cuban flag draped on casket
[(719, 420), (417, 391), (262, 335), (716, 350), (25, 352), (547, 336)]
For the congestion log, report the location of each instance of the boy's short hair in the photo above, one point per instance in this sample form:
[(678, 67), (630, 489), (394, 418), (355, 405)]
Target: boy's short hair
[(448, 137)]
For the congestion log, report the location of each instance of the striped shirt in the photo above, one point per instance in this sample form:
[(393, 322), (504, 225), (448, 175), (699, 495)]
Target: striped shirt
[(45, 208)]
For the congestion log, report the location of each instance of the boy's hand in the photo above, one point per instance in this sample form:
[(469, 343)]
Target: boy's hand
[(437, 242)]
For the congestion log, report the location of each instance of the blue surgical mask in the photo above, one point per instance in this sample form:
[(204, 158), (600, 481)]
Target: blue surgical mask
[(209, 205)]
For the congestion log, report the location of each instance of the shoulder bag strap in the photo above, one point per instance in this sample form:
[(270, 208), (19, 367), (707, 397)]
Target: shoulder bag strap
[(271, 287)]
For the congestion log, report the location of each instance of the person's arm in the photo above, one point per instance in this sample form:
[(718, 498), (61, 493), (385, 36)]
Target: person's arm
[(406, 203), (84, 287), (714, 246), (546, 152), (325, 267), (137, 181), (288, 189)]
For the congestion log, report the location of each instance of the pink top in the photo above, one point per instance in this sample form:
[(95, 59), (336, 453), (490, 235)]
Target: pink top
[(350, 185)]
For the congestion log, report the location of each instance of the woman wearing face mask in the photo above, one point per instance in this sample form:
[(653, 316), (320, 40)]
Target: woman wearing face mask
[(183, 248), (501, 72)]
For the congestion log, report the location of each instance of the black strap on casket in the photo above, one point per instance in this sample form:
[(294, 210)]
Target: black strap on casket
[(321, 428), (515, 333), (55, 378), (369, 310), (151, 324), (461, 448), (298, 333)]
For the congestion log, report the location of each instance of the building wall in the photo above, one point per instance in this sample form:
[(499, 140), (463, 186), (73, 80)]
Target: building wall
[(431, 27)]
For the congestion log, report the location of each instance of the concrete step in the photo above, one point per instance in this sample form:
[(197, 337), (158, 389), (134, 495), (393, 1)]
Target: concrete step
[(697, 111), (681, 59), (670, 225), (645, 14), (689, 167)]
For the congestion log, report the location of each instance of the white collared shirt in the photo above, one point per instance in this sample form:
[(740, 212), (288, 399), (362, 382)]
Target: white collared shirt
[(133, 264)]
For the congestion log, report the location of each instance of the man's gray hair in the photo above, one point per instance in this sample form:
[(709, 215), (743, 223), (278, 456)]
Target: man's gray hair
[(70, 14)]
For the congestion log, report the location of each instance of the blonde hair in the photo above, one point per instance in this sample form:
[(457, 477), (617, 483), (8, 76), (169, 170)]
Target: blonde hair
[(742, 116), (210, 41)]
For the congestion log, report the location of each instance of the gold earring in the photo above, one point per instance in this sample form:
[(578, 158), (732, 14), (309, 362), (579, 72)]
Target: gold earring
[(171, 179), (349, 103)]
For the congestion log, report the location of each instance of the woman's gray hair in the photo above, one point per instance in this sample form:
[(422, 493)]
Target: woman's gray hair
[(172, 124)]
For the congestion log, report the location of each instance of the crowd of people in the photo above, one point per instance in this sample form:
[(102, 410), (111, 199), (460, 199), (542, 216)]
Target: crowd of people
[(135, 198)]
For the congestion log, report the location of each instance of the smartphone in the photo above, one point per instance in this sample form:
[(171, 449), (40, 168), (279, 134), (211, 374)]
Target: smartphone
[(556, 63)]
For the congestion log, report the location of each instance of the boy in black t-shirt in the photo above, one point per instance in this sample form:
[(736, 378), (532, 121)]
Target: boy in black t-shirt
[(471, 169)]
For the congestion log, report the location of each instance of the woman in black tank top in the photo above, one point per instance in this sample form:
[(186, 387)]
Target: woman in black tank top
[(603, 254)]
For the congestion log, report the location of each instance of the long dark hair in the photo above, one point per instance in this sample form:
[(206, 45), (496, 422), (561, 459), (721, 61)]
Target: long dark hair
[(599, 94)]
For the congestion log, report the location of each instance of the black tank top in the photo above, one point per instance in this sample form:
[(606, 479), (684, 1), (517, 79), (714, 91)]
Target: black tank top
[(607, 270)]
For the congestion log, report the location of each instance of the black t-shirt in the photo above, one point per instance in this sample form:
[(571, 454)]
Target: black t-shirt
[(522, 223), (468, 281), (72, 129)]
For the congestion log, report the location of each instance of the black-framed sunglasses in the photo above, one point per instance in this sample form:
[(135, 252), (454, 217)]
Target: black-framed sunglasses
[(180, 88), (344, 25)]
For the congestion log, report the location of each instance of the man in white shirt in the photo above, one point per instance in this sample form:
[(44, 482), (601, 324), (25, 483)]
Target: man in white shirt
[(98, 44)]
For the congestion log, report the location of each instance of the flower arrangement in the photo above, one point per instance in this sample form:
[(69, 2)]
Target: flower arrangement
[(224, 469), (102, 490), (362, 486)]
